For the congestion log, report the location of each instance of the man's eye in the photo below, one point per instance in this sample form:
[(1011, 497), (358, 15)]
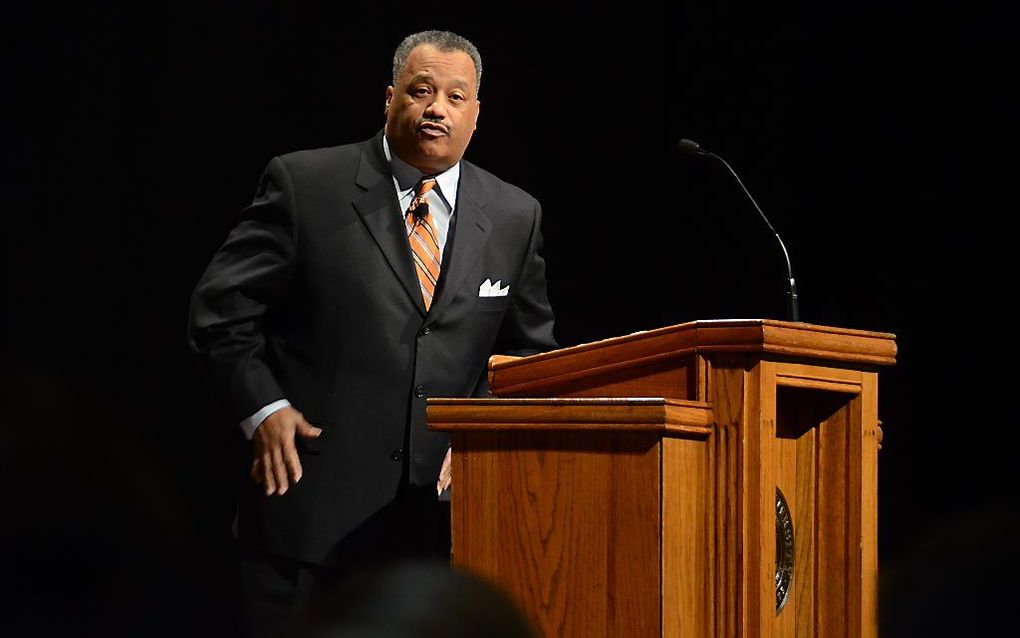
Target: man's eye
[(422, 90), (457, 98)]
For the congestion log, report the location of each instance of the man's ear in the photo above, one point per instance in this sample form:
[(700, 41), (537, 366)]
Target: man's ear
[(478, 108), (389, 98)]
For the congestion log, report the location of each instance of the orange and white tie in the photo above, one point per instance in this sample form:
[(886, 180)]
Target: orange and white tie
[(421, 234)]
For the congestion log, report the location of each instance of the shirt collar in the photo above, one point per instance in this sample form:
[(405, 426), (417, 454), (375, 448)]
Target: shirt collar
[(406, 176)]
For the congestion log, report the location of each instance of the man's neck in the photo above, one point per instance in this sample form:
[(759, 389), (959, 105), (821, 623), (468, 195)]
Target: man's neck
[(393, 157), (406, 176)]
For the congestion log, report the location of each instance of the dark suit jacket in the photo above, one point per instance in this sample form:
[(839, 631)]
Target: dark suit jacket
[(314, 298)]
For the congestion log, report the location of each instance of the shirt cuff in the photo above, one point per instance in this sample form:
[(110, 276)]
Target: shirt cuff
[(249, 425)]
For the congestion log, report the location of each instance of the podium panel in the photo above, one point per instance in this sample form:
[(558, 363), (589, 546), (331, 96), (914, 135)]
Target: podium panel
[(707, 479)]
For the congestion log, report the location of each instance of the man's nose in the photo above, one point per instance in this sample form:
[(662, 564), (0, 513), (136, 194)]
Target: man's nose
[(437, 107)]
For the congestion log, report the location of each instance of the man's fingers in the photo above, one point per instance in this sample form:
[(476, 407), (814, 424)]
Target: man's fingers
[(268, 479), (256, 471), (279, 472), (290, 457), (445, 473), (307, 430)]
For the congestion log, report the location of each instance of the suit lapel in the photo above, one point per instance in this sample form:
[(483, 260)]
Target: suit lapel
[(471, 233), (380, 211)]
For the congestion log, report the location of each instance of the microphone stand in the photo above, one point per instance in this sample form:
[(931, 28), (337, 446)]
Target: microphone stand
[(792, 306)]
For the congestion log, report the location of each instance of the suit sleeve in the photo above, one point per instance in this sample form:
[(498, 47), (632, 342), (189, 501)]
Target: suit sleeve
[(248, 276), (528, 325)]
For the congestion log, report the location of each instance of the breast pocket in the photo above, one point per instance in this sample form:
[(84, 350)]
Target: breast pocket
[(489, 297), (491, 304)]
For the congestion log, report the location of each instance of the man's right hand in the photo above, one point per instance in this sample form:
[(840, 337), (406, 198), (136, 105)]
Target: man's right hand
[(276, 464)]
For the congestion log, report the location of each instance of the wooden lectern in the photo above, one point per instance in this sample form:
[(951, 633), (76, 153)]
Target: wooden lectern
[(646, 485)]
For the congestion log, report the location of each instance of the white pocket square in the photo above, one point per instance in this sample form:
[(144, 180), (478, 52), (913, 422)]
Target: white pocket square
[(489, 289)]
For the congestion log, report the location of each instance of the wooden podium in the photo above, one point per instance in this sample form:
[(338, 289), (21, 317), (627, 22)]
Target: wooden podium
[(631, 487)]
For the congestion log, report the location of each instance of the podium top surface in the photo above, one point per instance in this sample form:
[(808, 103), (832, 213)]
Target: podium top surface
[(803, 341)]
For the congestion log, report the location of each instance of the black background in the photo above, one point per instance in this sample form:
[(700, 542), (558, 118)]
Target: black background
[(877, 136)]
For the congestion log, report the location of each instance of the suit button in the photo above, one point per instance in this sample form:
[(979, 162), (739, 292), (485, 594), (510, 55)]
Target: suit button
[(426, 330), (419, 391), (397, 455)]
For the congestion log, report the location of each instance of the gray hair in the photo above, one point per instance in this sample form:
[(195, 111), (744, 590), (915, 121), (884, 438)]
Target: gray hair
[(445, 41)]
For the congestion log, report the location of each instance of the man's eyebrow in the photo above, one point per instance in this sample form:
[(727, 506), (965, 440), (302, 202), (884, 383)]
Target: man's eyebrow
[(428, 77)]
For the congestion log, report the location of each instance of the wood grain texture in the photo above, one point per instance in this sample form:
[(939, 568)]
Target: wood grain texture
[(815, 377), (686, 545), (657, 351), (832, 524), (576, 527), (790, 619), (796, 432), (725, 389), (671, 417), (757, 485), (866, 469), (664, 374)]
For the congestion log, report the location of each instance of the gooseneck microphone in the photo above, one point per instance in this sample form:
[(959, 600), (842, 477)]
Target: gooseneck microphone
[(691, 147)]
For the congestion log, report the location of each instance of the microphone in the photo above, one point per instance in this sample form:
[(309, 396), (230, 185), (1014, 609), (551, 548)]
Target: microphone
[(690, 147)]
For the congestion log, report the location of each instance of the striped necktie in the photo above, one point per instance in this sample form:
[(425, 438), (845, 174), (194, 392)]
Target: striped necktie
[(421, 234)]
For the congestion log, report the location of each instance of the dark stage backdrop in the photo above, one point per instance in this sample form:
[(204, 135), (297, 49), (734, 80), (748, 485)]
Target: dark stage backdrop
[(876, 135)]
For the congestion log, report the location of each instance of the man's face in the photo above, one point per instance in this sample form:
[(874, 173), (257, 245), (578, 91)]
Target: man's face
[(432, 112)]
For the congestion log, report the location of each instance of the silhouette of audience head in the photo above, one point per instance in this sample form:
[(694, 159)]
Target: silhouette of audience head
[(414, 599)]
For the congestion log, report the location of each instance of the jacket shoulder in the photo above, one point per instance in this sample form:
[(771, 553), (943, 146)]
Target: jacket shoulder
[(327, 159), (498, 190)]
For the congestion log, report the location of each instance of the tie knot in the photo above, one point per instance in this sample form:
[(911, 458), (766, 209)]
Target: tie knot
[(419, 208), (425, 185)]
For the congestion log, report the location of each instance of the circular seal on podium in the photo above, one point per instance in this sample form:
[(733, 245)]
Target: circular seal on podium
[(784, 551)]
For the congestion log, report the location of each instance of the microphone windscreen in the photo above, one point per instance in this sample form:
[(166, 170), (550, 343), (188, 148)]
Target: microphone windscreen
[(690, 147)]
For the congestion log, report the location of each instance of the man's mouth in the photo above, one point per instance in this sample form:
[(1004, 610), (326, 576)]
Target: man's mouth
[(432, 129)]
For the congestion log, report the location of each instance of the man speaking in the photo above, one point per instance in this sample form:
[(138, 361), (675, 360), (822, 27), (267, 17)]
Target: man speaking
[(361, 280)]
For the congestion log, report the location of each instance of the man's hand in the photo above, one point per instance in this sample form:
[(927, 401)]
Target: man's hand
[(276, 463), (444, 474)]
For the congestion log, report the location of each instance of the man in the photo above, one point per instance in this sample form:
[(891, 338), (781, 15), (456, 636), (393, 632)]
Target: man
[(361, 280)]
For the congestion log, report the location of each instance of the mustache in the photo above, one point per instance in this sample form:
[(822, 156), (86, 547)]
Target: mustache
[(438, 121)]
